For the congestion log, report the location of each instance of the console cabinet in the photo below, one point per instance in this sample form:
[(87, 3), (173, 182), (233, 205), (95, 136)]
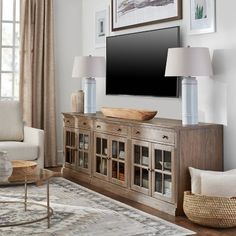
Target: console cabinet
[(145, 161)]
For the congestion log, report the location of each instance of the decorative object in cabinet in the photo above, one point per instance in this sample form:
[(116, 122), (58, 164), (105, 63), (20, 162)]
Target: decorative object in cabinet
[(101, 157), (84, 154), (118, 160), (150, 176), (163, 174), (110, 159), (141, 167), (70, 148)]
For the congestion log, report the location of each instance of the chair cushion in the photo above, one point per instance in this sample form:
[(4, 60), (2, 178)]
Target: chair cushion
[(20, 150), (11, 124)]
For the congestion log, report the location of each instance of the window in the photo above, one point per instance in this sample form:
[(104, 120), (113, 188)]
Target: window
[(9, 44)]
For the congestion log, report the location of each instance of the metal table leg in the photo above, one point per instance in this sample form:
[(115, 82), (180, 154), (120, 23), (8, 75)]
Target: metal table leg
[(25, 194), (48, 206)]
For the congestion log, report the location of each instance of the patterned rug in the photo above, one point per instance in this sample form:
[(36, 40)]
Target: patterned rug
[(79, 211)]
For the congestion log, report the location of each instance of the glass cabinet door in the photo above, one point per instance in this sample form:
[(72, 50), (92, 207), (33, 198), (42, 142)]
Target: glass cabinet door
[(162, 169), (83, 151), (141, 162), (118, 161), (70, 147), (101, 156)]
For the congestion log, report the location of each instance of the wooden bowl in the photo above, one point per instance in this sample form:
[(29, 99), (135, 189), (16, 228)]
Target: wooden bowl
[(127, 113)]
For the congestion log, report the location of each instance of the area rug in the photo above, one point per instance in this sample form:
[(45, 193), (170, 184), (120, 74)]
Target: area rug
[(79, 211)]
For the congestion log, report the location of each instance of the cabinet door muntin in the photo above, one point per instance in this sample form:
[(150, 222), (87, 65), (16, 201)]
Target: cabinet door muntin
[(141, 166), (118, 161), (162, 172), (84, 150), (101, 156), (70, 147)]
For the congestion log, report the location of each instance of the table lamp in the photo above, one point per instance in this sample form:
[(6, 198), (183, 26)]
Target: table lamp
[(89, 67), (189, 62)]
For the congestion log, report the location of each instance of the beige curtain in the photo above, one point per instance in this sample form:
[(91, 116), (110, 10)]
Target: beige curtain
[(37, 88)]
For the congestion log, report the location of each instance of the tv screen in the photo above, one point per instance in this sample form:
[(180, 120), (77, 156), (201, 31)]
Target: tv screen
[(136, 63)]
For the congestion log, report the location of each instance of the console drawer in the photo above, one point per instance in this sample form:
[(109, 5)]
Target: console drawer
[(69, 122), (111, 128), (152, 134), (83, 122)]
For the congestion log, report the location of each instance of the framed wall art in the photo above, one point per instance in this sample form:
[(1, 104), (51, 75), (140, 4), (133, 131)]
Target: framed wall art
[(202, 16), (133, 13), (101, 28)]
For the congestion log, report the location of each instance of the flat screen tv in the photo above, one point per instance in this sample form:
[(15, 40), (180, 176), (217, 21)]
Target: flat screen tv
[(136, 63)]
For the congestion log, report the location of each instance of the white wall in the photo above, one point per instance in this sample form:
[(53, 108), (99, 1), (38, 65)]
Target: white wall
[(160, 104), (216, 95), (68, 43)]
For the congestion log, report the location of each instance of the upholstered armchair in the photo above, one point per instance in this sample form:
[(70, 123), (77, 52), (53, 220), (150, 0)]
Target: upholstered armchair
[(19, 141)]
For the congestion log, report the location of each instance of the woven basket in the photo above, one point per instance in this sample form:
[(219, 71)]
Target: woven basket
[(217, 212)]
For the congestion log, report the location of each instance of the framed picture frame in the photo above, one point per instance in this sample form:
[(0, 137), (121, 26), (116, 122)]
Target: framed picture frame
[(133, 13), (202, 16), (101, 28)]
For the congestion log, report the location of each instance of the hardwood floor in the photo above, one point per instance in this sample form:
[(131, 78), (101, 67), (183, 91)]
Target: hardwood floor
[(182, 221)]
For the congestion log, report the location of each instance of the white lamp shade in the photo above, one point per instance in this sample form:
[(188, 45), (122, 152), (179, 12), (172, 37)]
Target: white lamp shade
[(189, 61), (88, 66)]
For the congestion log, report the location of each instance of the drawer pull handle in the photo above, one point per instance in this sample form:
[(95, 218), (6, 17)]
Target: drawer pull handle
[(84, 123), (137, 132), (119, 130), (165, 137), (99, 126), (68, 121)]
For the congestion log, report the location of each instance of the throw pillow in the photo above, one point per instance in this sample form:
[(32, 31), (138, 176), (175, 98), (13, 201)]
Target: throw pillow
[(196, 177), (218, 185), (11, 125)]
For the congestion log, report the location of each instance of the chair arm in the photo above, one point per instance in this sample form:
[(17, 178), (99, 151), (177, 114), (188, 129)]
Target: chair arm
[(36, 137)]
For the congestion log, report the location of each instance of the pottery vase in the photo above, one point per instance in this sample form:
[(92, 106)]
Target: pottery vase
[(77, 101)]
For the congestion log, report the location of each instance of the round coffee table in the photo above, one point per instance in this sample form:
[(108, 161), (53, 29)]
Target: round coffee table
[(39, 177)]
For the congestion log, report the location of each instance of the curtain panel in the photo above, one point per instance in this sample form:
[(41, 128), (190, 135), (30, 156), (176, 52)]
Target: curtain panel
[(37, 77)]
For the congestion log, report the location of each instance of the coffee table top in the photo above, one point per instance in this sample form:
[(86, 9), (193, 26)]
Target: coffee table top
[(21, 167), (39, 176), (23, 164)]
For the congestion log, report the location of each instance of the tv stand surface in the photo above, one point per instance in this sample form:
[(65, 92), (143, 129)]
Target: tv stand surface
[(145, 161)]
